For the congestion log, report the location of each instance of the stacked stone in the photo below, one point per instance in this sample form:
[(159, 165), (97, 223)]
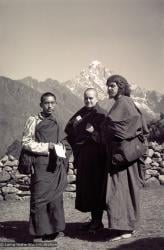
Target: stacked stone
[(71, 178), (13, 185), (154, 165)]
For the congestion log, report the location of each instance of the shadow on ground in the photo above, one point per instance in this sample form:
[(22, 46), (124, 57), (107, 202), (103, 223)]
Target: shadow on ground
[(142, 244), (18, 231), (15, 230), (75, 230)]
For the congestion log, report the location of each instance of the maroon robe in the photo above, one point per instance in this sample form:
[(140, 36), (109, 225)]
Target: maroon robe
[(89, 158), (47, 184)]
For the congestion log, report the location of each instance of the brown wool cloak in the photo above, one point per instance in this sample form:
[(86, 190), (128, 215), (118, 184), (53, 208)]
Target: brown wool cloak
[(124, 121)]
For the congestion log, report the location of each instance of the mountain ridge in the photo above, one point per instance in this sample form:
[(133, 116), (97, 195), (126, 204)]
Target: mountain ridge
[(20, 98)]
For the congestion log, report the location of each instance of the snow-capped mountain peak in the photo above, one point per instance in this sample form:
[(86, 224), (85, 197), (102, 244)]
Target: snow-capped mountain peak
[(94, 76)]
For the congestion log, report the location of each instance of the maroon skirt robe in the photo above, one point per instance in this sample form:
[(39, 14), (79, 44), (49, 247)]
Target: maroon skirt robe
[(47, 185)]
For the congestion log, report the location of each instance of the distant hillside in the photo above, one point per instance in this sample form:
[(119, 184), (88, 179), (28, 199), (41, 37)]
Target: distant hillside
[(67, 102), (18, 100)]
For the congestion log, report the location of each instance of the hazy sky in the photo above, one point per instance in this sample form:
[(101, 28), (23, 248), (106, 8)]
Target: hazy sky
[(58, 38)]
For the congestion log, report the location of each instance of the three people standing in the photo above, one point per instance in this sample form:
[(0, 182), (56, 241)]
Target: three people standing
[(100, 185)]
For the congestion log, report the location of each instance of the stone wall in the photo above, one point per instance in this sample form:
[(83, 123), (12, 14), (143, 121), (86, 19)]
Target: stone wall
[(14, 185), (154, 165)]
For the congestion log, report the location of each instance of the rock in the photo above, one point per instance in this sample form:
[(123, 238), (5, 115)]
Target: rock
[(157, 155), (1, 164), (153, 145), (158, 148), (150, 152), (7, 168), (71, 158), (155, 168), (71, 178), (70, 171), (161, 170), (9, 185), (19, 176), (11, 163), (15, 168), (21, 181), (4, 159), (161, 179), (161, 164), (69, 195), (152, 172), (16, 185), (3, 184), (11, 158), (71, 166), (147, 176), (155, 164), (24, 187), (4, 176), (159, 159), (12, 196), (71, 188), (1, 197), (23, 193), (13, 182), (75, 171), (148, 160), (9, 190), (151, 182)]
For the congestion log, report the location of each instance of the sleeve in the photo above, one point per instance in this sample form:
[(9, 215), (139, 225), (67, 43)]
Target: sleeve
[(28, 140)]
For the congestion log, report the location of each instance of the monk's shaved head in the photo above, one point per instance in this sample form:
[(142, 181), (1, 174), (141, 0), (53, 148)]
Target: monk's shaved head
[(90, 97), (94, 91)]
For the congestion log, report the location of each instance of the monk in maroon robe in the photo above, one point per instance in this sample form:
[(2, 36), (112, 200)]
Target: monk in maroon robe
[(48, 178), (83, 131)]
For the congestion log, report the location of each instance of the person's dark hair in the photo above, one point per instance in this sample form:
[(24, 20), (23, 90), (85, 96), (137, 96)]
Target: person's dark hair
[(45, 95), (122, 83)]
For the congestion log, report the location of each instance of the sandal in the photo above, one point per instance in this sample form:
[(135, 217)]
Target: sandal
[(123, 236)]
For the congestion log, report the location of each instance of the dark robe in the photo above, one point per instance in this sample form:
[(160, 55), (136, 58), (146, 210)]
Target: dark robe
[(89, 158), (124, 121), (47, 184)]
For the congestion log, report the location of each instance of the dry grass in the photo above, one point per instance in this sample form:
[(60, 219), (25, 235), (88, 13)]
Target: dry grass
[(150, 235)]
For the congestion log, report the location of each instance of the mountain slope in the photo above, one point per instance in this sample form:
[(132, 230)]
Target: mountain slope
[(67, 102), (18, 100)]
